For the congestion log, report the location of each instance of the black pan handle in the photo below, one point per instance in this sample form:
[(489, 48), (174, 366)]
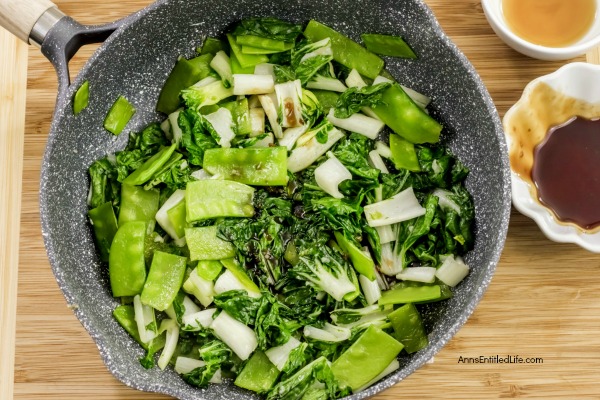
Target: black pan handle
[(41, 23)]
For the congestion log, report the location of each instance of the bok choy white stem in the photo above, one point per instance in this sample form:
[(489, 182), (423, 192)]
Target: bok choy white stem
[(330, 174), (359, 123), (401, 207)]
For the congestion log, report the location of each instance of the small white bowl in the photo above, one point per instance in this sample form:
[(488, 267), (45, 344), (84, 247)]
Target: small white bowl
[(495, 17), (577, 80)]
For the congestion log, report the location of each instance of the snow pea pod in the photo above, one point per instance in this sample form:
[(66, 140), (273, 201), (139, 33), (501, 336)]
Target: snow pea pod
[(387, 45), (119, 115), (362, 261), (184, 74), (366, 358), (411, 294), (398, 111), (164, 280), (138, 204), (346, 51), (204, 244), (263, 43), (245, 60), (404, 154), (126, 266), (252, 166), (212, 198), (105, 227), (408, 328), (81, 98), (151, 166), (258, 375)]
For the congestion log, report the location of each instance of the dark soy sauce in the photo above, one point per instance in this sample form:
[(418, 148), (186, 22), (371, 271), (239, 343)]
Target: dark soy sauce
[(566, 172)]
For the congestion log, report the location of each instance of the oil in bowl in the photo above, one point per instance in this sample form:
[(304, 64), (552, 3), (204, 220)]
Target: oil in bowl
[(550, 23)]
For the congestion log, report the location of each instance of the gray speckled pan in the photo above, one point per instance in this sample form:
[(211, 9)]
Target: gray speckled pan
[(135, 61)]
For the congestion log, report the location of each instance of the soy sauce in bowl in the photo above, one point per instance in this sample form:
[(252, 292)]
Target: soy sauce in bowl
[(566, 171)]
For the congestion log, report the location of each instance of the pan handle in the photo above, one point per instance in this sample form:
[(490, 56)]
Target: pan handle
[(19, 16), (41, 23)]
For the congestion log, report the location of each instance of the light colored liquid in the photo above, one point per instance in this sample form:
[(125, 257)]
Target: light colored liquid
[(550, 23)]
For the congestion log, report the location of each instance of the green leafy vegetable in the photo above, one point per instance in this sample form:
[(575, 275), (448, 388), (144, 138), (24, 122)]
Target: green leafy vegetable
[(353, 99)]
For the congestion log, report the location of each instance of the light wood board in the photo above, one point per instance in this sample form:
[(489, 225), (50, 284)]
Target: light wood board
[(543, 301)]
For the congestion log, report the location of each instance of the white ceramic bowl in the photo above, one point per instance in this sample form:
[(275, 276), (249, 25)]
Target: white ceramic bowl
[(495, 17), (580, 81)]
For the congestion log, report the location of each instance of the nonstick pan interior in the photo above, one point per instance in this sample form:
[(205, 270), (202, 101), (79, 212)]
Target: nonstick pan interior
[(135, 61)]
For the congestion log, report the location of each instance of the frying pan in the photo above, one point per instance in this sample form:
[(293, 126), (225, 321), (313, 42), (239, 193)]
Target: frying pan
[(135, 60)]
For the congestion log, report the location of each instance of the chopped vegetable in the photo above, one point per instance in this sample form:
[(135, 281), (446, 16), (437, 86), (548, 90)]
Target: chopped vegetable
[(260, 167), (205, 245), (293, 236), (404, 117), (346, 51), (183, 75), (118, 116), (258, 375), (330, 174), (387, 45), (81, 98), (350, 369), (408, 328), (164, 280), (401, 207), (126, 265), (214, 198), (105, 227)]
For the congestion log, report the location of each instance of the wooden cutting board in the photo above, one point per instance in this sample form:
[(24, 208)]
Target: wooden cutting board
[(543, 303)]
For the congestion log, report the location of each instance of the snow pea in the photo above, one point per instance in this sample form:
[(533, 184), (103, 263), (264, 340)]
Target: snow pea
[(366, 358), (410, 294), (204, 244), (151, 166), (398, 111), (105, 226), (126, 266), (346, 51), (387, 45), (263, 43), (164, 280), (408, 328), (209, 269), (184, 74), (176, 216), (81, 98), (253, 166), (245, 60), (138, 204), (212, 198), (258, 375), (119, 115), (213, 46), (236, 68), (404, 154)]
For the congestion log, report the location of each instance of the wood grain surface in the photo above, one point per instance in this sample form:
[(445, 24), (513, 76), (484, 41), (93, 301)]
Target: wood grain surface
[(544, 300), (13, 81)]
